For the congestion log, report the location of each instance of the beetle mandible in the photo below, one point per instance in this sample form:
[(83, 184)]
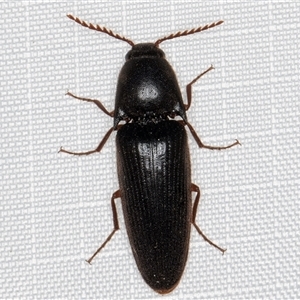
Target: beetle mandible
[(153, 161)]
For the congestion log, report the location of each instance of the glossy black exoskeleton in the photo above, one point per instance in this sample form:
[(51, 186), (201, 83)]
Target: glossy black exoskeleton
[(153, 161)]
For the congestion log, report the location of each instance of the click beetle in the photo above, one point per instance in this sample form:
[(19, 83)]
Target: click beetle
[(153, 161)]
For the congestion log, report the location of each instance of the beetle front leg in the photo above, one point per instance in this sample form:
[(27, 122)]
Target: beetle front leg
[(97, 102), (195, 188), (114, 196), (98, 149), (189, 87), (201, 145)]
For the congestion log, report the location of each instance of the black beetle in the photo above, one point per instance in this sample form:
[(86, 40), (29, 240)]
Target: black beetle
[(153, 161)]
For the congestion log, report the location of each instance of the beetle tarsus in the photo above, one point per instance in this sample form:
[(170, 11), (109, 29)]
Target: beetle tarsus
[(101, 247), (77, 153), (207, 239)]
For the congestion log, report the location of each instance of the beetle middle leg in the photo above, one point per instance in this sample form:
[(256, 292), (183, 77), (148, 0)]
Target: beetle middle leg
[(114, 196), (187, 106), (104, 140), (201, 145), (195, 188), (98, 149)]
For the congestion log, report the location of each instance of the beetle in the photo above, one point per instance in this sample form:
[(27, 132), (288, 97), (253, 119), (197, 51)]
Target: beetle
[(153, 160)]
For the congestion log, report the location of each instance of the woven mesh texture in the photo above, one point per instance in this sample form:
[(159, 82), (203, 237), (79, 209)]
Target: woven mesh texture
[(55, 208)]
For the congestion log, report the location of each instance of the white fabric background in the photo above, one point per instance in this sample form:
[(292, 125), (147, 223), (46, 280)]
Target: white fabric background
[(55, 208)]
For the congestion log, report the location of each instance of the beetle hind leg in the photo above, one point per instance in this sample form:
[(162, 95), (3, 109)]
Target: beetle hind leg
[(195, 188), (201, 145), (114, 196)]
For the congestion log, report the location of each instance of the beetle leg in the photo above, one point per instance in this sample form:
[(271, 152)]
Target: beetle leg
[(201, 145), (114, 196), (98, 149), (189, 87), (97, 102), (195, 188)]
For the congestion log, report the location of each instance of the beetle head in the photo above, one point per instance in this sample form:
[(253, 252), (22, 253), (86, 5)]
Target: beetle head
[(145, 50)]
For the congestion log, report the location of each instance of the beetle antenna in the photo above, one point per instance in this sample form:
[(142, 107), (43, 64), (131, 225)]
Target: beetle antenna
[(101, 29), (187, 32)]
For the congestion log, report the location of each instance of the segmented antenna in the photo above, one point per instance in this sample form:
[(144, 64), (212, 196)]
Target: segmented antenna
[(187, 32), (101, 29)]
